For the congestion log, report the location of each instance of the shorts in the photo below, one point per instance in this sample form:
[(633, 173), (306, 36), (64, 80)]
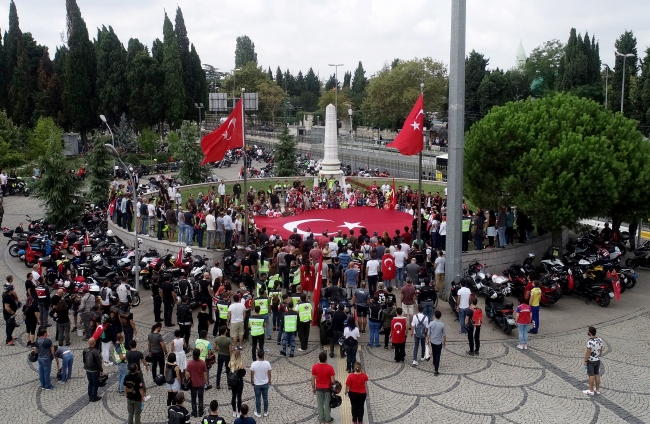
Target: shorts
[(236, 329), (593, 368), (408, 309), (362, 311)]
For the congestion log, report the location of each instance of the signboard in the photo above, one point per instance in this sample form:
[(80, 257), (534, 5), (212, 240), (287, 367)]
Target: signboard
[(218, 102), (250, 101)]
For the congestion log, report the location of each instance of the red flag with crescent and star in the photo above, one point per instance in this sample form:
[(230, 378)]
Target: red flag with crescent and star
[(388, 269), (229, 135), (410, 141), (398, 329)]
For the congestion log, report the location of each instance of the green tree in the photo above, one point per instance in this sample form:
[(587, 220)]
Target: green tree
[(395, 63), (99, 170), (542, 66), (344, 99), (44, 131), (626, 44), (190, 76), (518, 85), (10, 136), (146, 80), (493, 91), (347, 78), (245, 52), (134, 47), (81, 73), (174, 144), (148, 142), (579, 70), (392, 92), (58, 189), (359, 84), (112, 84), (642, 98), (285, 155), (475, 72), (273, 97), (13, 47), (200, 94), (270, 73), (124, 136), (250, 76), (45, 99), (554, 158), (56, 87), (191, 155), (174, 89), (332, 83)]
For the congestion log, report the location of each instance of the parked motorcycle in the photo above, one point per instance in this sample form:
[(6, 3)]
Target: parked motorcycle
[(499, 312)]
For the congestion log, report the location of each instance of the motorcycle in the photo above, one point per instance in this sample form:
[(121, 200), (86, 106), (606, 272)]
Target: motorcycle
[(476, 278), (496, 309), (641, 257), (17, 186), (580, 284)]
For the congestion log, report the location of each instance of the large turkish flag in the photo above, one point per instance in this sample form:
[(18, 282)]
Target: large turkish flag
[(332, 220)]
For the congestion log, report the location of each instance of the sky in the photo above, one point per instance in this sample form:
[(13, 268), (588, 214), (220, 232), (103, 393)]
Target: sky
[(314, 33)]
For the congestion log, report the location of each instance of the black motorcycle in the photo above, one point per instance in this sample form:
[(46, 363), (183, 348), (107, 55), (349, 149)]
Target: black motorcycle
[(641, 256), (502, 314), (579, 283), (17, 186)]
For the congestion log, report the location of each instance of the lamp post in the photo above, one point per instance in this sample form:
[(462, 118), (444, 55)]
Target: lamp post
[(350, 113), (336, 89), (606, 82), (111, 150), (234, 86), (103, 118), (199, 106), (624, 56)]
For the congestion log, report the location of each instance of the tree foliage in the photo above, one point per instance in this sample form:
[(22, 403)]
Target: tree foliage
[(191, 155), (579, 70), (285, 155), (542, 66), (475, 71), (273, 97), (99, 170), (124, 136), (174, 88), (359, 84), (391, 93), (58, 189), (560, 159), (112, 84), (245, 52), (626, 44), (148, 142), (44, 131), (10, 137), (146, 79)]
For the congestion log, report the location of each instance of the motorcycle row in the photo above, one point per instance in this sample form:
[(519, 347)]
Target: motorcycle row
[(585, 268)]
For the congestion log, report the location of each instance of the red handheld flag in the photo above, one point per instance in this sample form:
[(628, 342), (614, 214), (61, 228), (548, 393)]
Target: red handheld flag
[(179, 259), (228, 135), (410, 141), (393, 197), (86, 241), (317, 288)]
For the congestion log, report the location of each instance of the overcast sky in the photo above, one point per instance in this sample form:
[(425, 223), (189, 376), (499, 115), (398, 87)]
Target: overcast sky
[(301, 34)]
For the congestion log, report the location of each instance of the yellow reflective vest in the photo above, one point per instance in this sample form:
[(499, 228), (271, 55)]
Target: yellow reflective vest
[(304, 312), (290, 323), (257, 326), (263, 303)]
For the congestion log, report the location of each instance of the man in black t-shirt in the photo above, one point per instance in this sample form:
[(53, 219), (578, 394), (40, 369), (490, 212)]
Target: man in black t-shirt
[(338, 326), (134, 356), (205, 291), (427, 298), (178, 414), (169, 298), (135, 393)]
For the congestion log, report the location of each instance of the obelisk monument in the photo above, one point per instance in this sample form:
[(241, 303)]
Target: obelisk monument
[(331, 165)]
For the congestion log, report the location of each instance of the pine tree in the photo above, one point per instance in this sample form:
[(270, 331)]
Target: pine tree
[(124, 136), (331, 83), (174, 91), (158, 51), (81, 73), (112, 84), (270, 74), (244, 52), (285, 155), (99, 170), (475, 71), (347, 77), (189, 73), (200, 79), (359, 84), (625, 44), (58, 189), (279, 78), (191, 155), (146, 80), (134, 47)]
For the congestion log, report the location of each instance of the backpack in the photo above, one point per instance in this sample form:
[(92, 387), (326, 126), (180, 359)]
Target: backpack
[(104, 294), (351, 341), (170, 375), (420, 329), (233, 379), (477, 317), (336, 270)]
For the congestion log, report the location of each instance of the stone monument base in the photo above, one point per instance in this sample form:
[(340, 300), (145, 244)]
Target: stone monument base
[(337, 174)]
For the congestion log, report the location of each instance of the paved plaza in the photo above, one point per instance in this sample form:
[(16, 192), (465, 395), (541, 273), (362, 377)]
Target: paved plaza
[(503, 385)]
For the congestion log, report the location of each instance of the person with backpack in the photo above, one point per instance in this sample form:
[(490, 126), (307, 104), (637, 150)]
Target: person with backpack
[(105, 294), (185, 319), (523, 316), (374, 317), (178, 414), (350, 337), (236, 382), (419, 332), (473, 321), (172, 378)]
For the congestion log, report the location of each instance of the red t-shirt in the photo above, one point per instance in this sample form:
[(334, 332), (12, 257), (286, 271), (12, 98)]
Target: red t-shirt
[(525, 315), (357, 382), (398, 330), (196, 370), (528, 288), (324, 374)]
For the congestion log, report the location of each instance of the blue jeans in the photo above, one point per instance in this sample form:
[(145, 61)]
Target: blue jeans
[(289, 339), (374, 333), (351, 356), (228, 239), (523, 333), (502, 236), (428, 310), (388, 283), (93, 384), (66, 367), (143, 226), (190, 234), (419, 341), (434, 240), (478, 239), (268, 325), (123, 369), (263, 392), (461, 318), (535, 313), (181, 232), (399, 277), (44, 371)]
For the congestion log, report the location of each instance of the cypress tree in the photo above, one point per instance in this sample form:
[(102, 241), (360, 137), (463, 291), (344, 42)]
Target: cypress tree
[(201, 82), (99, 170), (270, 74), (174, 90), (190, 75), (81, 73), (625, 44), (146, 78), (279, 78), (112, 87), (12, 44)]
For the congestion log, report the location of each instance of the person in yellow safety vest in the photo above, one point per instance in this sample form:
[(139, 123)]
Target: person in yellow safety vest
[(262, 267), (205, 348), (304, 322), (275, 282), (263, 302), (294, 276), (466, 223), (119, 354), (289, 328), (338, 237), (295, 297), (221, 312), (261, 284), (330, 183), (257, 324)]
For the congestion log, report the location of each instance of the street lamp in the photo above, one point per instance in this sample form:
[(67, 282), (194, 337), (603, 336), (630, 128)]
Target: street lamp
[(625, 56), (103, 118), (336, 88), (350, 113), (606, 82), (199, 106), (111, 150)]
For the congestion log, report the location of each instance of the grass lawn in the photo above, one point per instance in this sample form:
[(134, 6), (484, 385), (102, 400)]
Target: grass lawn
[(255, 183)]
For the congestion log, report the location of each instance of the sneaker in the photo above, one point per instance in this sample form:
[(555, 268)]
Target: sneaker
[(266, 414), (525, 347), (386, 347), (146, 398), (460, 332), (291, 355), (50, 388), (234, 414), (520, 346), (476, 352), (422, 359), (415, 363), (283, 353), (300, 349), (120, 393), (436, 373), (257, 414), (588, 392), (331, 354), (470, 353), (597, 392)]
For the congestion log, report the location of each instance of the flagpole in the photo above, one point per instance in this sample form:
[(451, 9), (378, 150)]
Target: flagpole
[(243, 131), (419, 214)]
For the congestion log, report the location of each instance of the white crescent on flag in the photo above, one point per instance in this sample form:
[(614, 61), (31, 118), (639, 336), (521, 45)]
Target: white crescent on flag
[(289, 226), (388, 263), (400, 326)]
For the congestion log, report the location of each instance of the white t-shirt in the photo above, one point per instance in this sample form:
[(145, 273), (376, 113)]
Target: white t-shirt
[(406, 248), (419, 317), (151, 209), (122, 293), (137, 209), (445, 191), (222, 189), (464, 294), (372, 266), (333, 249), (354, 333), (400, 257), (443, 228), (215, 273), (210, 222), (261, 370), (237, 311), (440, 265)]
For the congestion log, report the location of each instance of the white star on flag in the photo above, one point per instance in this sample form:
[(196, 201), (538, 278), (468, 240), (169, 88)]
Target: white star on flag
[(351, 225), (415, 126)]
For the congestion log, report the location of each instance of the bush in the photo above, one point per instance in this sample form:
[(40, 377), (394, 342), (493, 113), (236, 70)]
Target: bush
[(162, 157), (133, 159)]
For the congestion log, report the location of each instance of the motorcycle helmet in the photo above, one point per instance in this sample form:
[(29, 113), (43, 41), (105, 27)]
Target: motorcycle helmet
[(188, 251), (494, 295), (159, 380), (603, 253), (335, 387), (32, 356), (335, 401), (109, 233), (66, 284), (97, 259), (102, 380)]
